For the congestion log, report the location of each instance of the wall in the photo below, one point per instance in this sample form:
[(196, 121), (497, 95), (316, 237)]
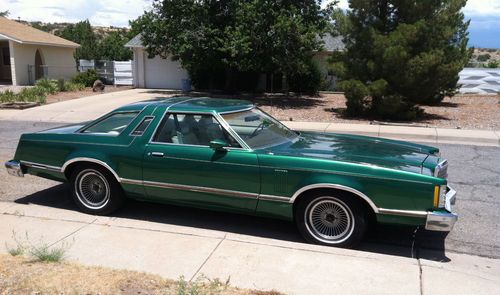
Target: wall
[(479, 80), (59, 61)]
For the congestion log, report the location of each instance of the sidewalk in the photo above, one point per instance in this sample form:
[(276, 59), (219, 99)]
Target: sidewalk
[(250, 262), (89, 108)]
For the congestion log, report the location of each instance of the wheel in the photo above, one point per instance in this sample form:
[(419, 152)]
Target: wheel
[(95, 190), (333, 220)]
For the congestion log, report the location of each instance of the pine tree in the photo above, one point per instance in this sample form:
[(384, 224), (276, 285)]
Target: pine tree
[(401, 54)]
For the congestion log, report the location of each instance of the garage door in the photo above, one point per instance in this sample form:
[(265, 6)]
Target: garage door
[(163, 73)]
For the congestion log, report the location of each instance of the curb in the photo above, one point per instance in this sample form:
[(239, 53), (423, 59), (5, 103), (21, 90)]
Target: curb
[(424, 134)]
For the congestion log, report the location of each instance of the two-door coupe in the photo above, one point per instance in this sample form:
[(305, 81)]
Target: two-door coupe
[(224, 154)]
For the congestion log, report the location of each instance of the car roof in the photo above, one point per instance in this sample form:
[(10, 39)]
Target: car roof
[(192, 104)]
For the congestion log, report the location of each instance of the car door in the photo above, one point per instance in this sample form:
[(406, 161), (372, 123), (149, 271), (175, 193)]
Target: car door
[(180, 167)]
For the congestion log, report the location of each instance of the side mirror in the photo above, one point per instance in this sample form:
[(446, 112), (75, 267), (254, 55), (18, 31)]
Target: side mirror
[(218, 144)]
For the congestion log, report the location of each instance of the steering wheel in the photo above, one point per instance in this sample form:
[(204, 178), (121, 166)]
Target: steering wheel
[(258, 129)]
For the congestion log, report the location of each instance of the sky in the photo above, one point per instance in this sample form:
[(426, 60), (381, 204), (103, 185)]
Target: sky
[(484, 14)]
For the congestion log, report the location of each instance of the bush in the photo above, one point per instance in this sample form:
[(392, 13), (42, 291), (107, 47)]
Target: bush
[(70, 86), (7, 96), (86, 78), (33, 94), (483, 57), (493, 64), (50, 86), (356, 94), (308, 81)]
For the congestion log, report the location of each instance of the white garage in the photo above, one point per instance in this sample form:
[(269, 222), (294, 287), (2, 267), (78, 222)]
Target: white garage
[(155, 72)]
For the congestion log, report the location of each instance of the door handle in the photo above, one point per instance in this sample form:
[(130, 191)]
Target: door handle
[(156, 154)]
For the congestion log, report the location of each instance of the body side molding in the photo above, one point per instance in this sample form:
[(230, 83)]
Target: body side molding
[(92, 160)]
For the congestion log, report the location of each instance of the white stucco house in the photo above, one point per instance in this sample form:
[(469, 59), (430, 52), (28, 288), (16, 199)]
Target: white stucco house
[(28, 54), (165, 73)]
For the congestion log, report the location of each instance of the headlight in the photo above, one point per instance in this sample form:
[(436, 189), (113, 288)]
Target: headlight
[(441, 169)]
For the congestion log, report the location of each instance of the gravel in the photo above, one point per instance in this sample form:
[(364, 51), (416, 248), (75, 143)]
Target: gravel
[(461, 111)]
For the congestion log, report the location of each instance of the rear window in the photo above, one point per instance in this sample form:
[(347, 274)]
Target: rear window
[(114, 124)]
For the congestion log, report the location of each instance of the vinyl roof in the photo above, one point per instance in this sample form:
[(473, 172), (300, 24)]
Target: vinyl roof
[(25, 34)]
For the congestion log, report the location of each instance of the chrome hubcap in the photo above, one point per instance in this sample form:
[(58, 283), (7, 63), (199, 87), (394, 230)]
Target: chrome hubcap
[(92, 189), (329, 220)]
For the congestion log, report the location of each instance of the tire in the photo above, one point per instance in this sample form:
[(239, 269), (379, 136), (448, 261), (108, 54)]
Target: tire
[(331, 218), (95, 190)]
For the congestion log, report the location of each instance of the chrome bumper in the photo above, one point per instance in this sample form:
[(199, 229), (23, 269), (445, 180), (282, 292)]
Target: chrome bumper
[(443, 220), (14, 168)]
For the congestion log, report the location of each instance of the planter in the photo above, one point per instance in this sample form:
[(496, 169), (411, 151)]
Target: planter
[(17, 105)]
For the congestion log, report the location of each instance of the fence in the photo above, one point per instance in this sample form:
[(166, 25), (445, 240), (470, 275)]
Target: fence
[(479, 80), (114, 72)]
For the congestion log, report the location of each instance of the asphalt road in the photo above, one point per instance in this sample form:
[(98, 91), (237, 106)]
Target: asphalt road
[(474, 172)]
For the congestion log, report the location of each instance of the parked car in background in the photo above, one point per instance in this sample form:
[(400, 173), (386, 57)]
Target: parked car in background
[(228, 155)]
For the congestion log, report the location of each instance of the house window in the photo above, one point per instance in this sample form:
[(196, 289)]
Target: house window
[(6, 56)]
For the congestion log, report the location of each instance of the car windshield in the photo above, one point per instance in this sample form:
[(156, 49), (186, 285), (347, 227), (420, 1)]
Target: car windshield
[(258, 129)]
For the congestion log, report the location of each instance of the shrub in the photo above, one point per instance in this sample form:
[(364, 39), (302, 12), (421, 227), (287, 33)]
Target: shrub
[(308, 81), (483, 57), (356, 94), (49, 86), (86, 78), (7, 96), (493, 64), (70, 86), (33, 94)]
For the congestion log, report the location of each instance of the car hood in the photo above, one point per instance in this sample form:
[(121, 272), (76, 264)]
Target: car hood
[(365, 150)]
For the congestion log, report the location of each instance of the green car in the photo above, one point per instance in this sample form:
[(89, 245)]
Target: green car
[(228, 155)]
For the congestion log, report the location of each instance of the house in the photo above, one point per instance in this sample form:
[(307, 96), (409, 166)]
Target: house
[(28, 54), (154, 72), (165, 73)]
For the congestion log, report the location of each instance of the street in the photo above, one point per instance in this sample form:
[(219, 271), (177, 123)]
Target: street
[(474, 172)]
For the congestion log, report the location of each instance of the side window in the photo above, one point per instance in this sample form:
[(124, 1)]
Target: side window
[(113, 124), (139, 130), (192, 129)]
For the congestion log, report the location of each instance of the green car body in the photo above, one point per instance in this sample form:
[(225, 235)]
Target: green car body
[(397, 182)]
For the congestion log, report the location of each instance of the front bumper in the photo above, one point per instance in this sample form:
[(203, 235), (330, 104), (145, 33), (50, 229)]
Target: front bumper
[(444, 219), (14, 168)]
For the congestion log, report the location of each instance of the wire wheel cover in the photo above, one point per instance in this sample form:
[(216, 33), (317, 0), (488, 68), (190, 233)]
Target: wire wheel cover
[(329, 220), (92, 189)]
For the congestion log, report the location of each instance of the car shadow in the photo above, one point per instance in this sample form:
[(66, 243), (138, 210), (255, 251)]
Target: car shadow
[(384, 239)]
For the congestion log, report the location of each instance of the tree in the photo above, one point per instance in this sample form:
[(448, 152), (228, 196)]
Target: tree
[(4, 13), (229, 37), (112, 47), (82, 34), (401, 54), (483, 57)]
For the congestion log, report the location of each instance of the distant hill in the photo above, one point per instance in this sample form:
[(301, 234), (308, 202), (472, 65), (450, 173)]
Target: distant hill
[(485, 57), (53, 28)]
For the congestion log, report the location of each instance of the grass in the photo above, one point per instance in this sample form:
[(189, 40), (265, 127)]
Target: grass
[(21, 275), (39, 92), (40, 252)]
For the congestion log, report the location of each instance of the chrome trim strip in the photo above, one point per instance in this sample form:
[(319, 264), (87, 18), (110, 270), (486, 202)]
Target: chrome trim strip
[(231, 132), (92, 160), (335, 186), (41, 166), (165, 113), (408, 213), (274, 198), (193, 188), (137, 125), (237, 111)]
